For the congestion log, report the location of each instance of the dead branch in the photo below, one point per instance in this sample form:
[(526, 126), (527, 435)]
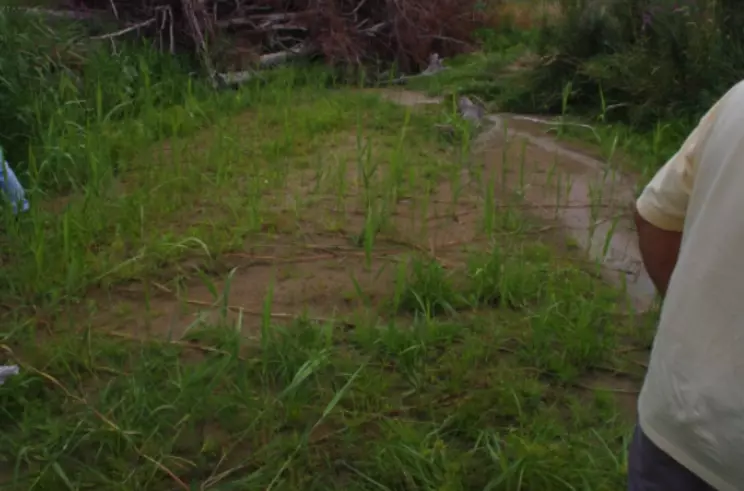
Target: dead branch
[(126, 30)]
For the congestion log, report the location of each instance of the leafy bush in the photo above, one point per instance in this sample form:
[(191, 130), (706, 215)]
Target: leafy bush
[(638, 60)]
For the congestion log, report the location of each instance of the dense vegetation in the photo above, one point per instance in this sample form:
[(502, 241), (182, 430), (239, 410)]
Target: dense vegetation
[(638, 61), (286, 287), (58, 91)]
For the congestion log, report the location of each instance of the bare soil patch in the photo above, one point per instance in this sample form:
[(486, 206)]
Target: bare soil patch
[(276, 352), (313, 262)]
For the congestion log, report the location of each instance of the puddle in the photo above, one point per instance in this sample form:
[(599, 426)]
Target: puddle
[(407, 97), (591, 201)]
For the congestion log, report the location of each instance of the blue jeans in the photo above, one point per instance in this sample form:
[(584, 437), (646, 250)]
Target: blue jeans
[(651, 469)]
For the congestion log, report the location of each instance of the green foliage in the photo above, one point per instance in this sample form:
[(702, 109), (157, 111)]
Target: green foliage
[(643, 60), (56, 86)]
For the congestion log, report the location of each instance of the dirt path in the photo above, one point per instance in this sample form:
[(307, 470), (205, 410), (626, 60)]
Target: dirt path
[(590, 200)]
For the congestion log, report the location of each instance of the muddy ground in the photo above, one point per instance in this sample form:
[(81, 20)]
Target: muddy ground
[(566, 358), (312, 267)]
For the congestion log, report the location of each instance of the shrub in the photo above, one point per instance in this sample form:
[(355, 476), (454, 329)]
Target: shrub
[(645, 59)]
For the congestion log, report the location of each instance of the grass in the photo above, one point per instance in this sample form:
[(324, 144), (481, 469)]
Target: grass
[(502, 75), (638, 153), (299, 287), (496, 78)]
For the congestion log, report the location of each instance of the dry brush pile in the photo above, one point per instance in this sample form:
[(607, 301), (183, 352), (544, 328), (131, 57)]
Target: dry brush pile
[(235, 35)]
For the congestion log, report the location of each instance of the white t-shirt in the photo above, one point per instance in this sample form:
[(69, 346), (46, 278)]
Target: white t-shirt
[(692, 402)]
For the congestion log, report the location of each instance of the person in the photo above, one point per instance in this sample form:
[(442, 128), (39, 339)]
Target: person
[(690, 224)]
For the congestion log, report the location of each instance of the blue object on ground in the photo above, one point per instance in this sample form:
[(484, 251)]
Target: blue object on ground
[(11, 187), (7, 371)]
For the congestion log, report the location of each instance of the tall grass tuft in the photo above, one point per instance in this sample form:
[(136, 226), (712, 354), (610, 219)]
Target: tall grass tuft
[(57, 89)]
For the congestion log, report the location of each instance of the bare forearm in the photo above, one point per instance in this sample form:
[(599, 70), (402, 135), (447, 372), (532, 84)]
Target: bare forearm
[(659, 251)]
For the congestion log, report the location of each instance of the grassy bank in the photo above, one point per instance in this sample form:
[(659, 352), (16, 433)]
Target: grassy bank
[(277, 321), (630, 77), (497, 78), (293, 287)]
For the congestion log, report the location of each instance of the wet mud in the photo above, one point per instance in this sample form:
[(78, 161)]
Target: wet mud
[(589, 198)]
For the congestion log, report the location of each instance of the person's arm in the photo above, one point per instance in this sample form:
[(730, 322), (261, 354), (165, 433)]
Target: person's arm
[(660, 210), (659, 251)]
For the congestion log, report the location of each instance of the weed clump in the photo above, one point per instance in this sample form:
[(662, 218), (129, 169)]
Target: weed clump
[(427, 290), (505, 278)]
